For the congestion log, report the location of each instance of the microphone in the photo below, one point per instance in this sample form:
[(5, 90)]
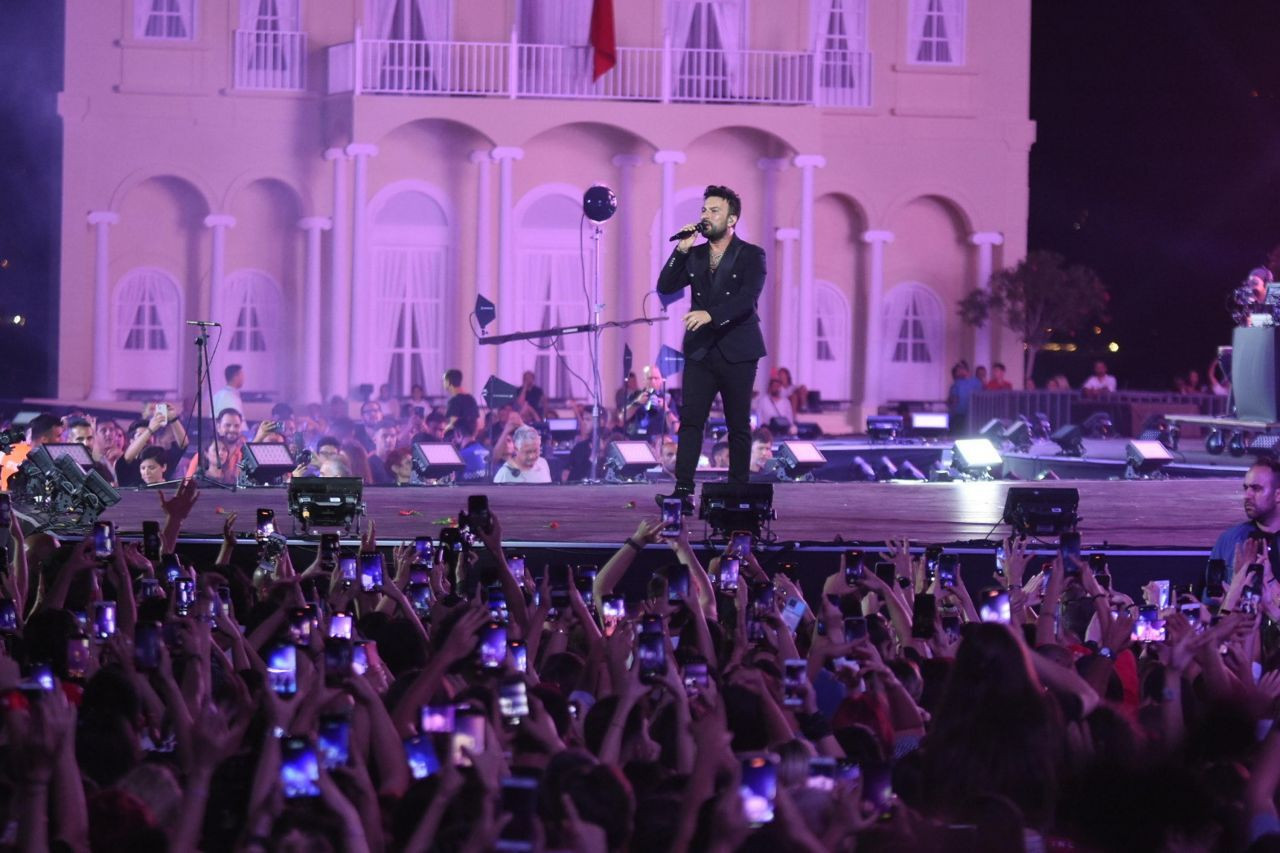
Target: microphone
[(685, 232), (203, 323)]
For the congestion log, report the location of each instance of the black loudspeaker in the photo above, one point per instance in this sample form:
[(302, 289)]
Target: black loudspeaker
[(1255, 368), (1033, 511)]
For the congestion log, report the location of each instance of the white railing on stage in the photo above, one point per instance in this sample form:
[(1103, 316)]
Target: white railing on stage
[(270, 61), (660, 74)]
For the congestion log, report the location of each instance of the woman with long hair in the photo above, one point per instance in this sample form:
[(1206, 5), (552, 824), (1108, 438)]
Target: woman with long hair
[(995, 731), (358, 462)]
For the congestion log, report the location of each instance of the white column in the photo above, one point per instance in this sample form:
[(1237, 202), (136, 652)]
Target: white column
[(101, 220), (218, 223), (509, 367), (668, 159), (985, 241), (484, 357), (337, 321), (787, 329), (311, 312), (771, 167), (871, 360), (626, 304), (359, 367), (807, 163)]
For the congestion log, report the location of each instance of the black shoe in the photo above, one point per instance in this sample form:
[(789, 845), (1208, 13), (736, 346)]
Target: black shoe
[(686, 501)]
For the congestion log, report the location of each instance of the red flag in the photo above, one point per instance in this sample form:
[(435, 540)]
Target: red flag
[(603, 41)]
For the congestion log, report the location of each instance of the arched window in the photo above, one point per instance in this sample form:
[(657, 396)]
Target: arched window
[(410, 274), (549, 275), (831, 363), (914, 340), (147, 312), (250, 308)]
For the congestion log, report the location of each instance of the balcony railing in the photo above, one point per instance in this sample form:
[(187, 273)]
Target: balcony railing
[(270, 61), (660, 74)]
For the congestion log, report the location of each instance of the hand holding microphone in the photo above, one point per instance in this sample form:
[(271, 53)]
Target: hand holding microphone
[(687, 235)]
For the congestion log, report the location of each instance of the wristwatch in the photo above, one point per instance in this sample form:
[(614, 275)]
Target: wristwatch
[(1106, 653)]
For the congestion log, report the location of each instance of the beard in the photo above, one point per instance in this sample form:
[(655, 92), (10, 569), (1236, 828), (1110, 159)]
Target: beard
[(714, 232)]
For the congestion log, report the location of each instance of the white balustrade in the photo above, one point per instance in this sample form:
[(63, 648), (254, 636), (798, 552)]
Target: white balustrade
[(270, 61)]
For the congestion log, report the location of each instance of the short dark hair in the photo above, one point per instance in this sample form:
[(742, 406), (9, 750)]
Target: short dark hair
[(43, 424), (454, 377), (1271, 463), (80, 422), (735, 202), (282, 410), (231, 371), (998, 364), (156, 453), (229, 410), (328, 441)]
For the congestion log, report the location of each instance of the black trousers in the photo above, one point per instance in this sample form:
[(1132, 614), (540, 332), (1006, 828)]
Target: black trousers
[(703, 379)]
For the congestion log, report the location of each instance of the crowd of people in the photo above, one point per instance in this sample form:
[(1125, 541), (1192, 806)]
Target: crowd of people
[(449, 694)]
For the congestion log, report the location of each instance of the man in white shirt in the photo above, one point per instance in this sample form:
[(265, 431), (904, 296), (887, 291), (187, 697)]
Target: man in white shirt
[(775, 407), (229, 397), (526, 465), (1100, 382)]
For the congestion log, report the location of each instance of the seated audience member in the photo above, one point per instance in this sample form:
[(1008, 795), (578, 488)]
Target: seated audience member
[(370, 417), (647, 413), (761, 449), (665, 450), (799, 396), (628, 390), (774, 409), (1100, 382), (399, 464), (107, 448), (357, 462), (161, 430), (472, 452), (526, 465), (579, 465), (286, 423), (386, 437), (998, 382), (1058, 382), (530, 396), (153, 465), (720, 454), (223, 453)]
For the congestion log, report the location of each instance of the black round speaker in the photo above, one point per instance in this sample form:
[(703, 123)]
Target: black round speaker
[(599, 203)]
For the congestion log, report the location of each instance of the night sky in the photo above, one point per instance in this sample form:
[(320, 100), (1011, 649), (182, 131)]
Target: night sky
[(1157, 163)]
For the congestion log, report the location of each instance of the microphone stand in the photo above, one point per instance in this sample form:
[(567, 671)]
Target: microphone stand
[(204, 385)]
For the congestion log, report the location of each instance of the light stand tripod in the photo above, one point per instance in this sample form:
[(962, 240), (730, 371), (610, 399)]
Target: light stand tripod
[(204, 385), (597, 390)]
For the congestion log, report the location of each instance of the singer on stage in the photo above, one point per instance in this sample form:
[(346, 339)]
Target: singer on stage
[(722, 339)]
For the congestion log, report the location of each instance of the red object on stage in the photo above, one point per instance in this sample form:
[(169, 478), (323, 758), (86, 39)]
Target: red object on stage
[(604, 42)]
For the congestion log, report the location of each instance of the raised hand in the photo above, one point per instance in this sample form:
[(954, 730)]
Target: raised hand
[(179, 506)]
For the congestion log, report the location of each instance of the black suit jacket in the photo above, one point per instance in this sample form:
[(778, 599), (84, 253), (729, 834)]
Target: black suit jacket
[(730, 298)]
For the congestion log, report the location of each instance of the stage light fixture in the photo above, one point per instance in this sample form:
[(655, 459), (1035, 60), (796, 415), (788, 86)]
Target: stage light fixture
[(1214, 442), (908, 471), (1018, 435), (1098, 425), (930, 424), (859, 470), (626, 461), (883, 427), (1033, 511), (886, 470), (727, 507), (1071, 439), (797, 460), (326, 501), (1264, 444), (265, 462), (498, 393), (975, 457), (78, 453), (1146, 458), (437, 460), (50, 490), (994, 431), (599, 203), (562, 429), (1236, 445)]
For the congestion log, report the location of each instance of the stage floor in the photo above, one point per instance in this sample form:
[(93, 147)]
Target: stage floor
[(1154, 514)]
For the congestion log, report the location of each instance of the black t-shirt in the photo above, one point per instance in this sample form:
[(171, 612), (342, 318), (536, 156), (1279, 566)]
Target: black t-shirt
[(464, 408), (128, 474)]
